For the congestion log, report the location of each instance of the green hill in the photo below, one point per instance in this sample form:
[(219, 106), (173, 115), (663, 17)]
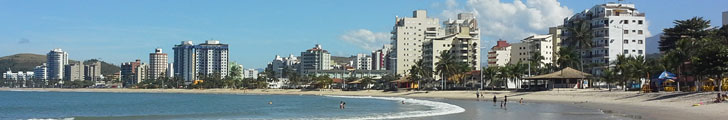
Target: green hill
[(27, 61), (342, 60)]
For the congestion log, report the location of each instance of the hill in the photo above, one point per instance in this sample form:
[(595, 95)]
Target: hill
[(27, 61), (21, 62), (652, 43), (342, 60)]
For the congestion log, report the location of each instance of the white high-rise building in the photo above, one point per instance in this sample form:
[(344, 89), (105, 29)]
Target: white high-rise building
[(57, 59), (170, 70), (315, 58), (41, 72), (500, 54), (184, 61), (280, 63), (250, 73), (212, 57), (379, 58), (725, 18), (207, 58), (618, 29), (460, 38), (157, 64), (19, 79), (408, 37), (362, 62), (524, 51)]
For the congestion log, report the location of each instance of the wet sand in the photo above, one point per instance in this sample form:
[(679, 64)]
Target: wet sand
[(663, 106)]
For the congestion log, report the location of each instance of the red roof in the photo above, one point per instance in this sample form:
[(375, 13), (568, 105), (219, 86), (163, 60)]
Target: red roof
[(337, 80), (501, 43)]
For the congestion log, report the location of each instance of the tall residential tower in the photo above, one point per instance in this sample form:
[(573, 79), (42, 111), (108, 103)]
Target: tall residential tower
[(618, 29), (157, 64), (57, 59), (408, 36)]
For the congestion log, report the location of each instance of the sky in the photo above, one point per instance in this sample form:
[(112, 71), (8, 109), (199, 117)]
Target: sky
[(120, 31)]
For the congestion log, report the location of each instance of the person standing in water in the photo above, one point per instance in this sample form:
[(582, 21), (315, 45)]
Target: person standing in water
[(341, 105), (520, 101)]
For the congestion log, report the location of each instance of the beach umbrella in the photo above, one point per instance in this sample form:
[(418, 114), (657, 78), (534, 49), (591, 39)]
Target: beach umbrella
[(667, 75)]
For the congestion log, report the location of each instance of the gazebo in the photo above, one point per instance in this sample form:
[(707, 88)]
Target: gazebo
[(404, 82), (565, 78)]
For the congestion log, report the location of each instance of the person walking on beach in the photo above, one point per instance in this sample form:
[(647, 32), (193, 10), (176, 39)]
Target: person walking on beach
[(477, 95)]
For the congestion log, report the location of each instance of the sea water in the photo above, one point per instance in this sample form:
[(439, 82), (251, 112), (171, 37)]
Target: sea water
[(94, 105)]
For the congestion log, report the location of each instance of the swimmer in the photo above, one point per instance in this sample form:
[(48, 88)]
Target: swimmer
[(270, 102), (402, 101), (521, 101)]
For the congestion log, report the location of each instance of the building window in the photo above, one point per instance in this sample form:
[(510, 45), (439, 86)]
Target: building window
[(626, 21), (639, 32), (639, 42), (626, 51), (640, 51), (626, 32), (626, 41), (639, 22)]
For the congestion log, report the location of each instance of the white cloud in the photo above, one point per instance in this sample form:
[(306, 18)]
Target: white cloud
[(366, 39), (512, 21)]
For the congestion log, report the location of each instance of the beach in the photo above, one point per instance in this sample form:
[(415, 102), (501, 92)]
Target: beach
[(631, 104)]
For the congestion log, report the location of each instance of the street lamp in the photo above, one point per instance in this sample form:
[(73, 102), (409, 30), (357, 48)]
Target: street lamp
[(481, 70)]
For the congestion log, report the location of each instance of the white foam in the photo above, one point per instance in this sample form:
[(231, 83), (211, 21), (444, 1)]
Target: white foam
[(438, 108), (20, 90)]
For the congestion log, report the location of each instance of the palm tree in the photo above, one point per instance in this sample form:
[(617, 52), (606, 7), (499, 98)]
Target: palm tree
[(580, 35), (490, 73), (419, 72), (568, 58), (447, 65), (608, 76)]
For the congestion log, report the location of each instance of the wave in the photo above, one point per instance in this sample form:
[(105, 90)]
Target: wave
[(21, 90), (438, 108)]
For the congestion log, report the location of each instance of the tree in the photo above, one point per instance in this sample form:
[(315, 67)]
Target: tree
[(419, 71), (568, 58), (446, 65), (366, 81), (693, 29), (608, 76), (490, 73), (580, 35)]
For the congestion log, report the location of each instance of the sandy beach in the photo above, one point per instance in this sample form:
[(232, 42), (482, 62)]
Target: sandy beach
[(663, 106)]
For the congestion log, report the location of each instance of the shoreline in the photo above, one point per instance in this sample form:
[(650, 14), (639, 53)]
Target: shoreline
[(663, 106)]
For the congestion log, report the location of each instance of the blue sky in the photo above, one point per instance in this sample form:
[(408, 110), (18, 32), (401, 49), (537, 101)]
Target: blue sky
[(124, 30)]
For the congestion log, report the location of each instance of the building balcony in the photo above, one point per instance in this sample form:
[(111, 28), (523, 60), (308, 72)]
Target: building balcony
[(600, 26)]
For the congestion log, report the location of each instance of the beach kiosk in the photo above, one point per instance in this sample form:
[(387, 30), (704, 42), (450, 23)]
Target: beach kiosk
[(664, 81), (565, 78)]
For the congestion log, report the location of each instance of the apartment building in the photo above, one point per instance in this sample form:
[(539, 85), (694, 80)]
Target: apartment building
[(618, 29)]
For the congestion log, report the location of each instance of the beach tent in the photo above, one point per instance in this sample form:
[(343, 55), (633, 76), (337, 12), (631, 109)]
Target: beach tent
[(666, 75)]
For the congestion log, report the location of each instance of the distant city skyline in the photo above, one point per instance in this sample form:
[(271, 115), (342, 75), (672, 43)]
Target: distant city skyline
[(122, 31)]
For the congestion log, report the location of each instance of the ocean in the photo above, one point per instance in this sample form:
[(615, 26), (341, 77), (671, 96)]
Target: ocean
[(163, 106)]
